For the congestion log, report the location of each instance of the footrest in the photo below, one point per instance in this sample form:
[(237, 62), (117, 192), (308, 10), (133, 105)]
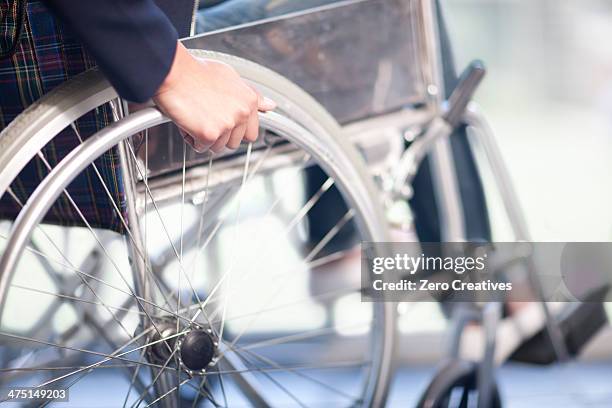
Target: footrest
[(578, 327)]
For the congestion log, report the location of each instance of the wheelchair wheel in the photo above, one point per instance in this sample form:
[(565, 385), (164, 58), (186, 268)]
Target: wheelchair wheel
[(205, 297), (455, 386)]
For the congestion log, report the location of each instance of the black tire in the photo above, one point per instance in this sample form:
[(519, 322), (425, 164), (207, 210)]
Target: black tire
[(455, 375)]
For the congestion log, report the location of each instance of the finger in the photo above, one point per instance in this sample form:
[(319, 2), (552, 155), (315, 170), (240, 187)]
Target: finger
[(221, 142), (200, 147), (189, 140), (252, 131), (264, 103), (194, 143), (236, 136)]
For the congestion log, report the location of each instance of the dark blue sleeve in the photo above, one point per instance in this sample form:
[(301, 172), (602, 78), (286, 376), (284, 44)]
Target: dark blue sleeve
[(132, 41)]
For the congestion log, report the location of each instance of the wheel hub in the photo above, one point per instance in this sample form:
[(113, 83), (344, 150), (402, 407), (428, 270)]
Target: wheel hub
[(195, 350), (161, 350)]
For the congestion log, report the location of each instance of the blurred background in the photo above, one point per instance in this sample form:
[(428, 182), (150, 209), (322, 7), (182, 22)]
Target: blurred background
[(548, 95)]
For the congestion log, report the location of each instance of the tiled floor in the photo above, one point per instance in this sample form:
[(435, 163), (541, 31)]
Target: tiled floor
[(572, 385)]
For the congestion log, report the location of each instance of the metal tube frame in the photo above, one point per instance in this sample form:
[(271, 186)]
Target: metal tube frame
[(476, 120), (449, 199)]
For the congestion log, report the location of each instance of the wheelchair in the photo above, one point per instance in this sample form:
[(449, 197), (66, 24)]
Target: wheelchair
[(200, 284)]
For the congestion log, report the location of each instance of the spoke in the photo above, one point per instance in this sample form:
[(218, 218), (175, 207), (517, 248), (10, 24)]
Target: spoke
[(182, 201), (327, 184), (274, 381), (221, 384), (32, 354), (134, 377), (147, 261), (313, 253), (103, 334), (327, 366), (117, 114), (201, 221), (307, 268), (222, 219), (207, 394), (302, 336), (88, 225), (166, 394), (122, 219), (197, 397), (108, 357), (224, 275), (119, 355), (327, 295), (178, 291), (315, 263), (217, 227), (302, 375), (330, 235), (61, 368), (106, 253), (236, 237), (295, 221), (38, 227), (51, 241), (114, 355), (58, 280), (43, 320), (163, 224), (85, 274), (60, 263), (157, 376), (76, 299), (211, 398)]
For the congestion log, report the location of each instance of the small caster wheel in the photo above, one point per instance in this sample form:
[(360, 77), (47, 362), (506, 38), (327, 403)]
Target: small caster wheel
[(455, 386)]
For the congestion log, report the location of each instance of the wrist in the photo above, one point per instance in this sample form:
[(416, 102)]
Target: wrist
[(176, 70)]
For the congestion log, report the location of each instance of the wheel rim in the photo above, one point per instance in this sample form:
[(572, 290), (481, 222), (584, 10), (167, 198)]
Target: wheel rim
[(142, 120)]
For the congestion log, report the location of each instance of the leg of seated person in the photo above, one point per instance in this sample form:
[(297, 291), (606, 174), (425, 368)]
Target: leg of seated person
[(230, 13)]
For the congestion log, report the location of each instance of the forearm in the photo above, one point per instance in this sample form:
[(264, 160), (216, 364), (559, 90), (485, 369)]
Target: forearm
[(133, 41)]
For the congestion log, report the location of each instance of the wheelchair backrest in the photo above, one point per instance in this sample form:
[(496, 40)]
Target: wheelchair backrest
[(358, 58)]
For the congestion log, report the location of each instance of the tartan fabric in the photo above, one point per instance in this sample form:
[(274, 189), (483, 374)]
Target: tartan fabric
[(46, 56), (11, 24)]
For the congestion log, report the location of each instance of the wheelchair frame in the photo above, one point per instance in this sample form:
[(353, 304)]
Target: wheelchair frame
[(386, 118)]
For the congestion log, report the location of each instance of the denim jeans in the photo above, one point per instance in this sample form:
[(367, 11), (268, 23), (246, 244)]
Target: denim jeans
[(234, 12)]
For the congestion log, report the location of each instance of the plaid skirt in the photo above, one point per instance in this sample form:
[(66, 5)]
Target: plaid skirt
[(45, 55)]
